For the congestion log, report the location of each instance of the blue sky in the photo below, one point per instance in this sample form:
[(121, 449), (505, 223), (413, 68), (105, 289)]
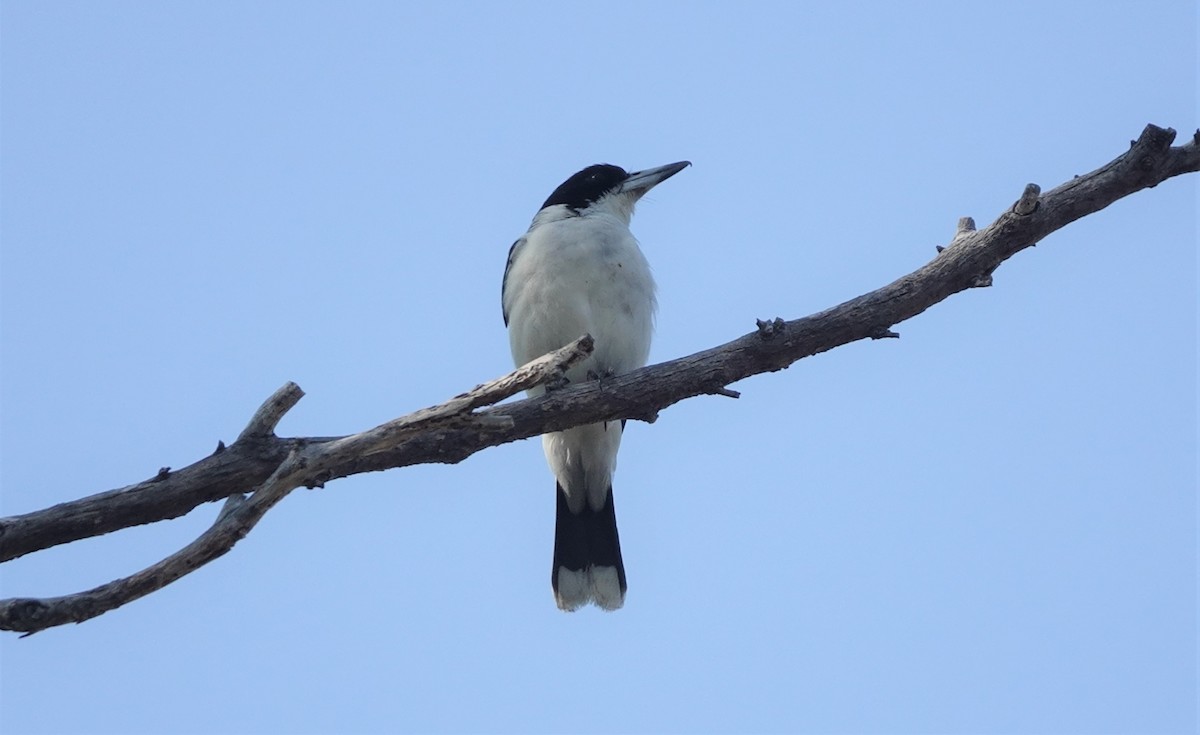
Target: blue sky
[(987, 526)]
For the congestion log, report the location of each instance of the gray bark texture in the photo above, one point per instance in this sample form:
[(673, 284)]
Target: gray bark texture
[(259, 469)]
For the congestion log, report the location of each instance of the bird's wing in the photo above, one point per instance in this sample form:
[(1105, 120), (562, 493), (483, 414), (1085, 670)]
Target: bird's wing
[(512, 255)]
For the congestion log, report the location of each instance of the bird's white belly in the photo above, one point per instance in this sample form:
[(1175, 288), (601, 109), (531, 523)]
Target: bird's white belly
[(574, 278)]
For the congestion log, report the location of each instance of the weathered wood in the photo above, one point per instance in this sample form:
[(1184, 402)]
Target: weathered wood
[(454, 431), (303, 466)]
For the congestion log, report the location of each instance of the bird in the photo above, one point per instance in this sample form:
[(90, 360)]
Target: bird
[(579, 270)]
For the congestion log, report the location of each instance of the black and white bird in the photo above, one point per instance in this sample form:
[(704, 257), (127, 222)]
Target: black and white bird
[(579, 270)]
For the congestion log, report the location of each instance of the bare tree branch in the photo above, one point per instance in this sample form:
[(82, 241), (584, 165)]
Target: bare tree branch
[(455, 430), (29, 615), (268, 415)]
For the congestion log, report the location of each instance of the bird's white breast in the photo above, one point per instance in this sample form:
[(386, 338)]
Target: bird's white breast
[(581, 275)]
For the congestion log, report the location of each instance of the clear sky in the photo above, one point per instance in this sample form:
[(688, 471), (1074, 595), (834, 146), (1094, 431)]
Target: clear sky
[(986, 526)]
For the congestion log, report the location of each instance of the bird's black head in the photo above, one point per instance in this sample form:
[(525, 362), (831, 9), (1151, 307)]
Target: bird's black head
[(587, 186)]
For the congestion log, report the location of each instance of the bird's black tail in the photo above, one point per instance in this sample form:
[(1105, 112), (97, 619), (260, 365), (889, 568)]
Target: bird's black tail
[(587, 556)]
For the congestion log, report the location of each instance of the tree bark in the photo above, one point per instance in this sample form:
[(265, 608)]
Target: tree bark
[(269, 466)]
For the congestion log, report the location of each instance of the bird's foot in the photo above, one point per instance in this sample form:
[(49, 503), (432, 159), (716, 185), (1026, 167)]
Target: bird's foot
[(601, 377), (558, 382)]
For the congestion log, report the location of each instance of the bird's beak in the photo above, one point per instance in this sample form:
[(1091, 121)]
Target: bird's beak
[(640, 182)]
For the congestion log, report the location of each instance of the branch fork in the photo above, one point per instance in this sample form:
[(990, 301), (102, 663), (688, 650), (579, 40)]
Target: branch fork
[(240, 513), (269, 467)]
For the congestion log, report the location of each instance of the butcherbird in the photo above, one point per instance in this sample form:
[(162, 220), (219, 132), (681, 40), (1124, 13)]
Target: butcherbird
[(579, 270)]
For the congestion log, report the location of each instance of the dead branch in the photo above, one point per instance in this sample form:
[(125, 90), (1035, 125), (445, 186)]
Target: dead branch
[(240, 514), (270, 467)]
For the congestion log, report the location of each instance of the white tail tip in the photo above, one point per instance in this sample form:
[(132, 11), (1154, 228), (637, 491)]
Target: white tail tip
[(598, 585)]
